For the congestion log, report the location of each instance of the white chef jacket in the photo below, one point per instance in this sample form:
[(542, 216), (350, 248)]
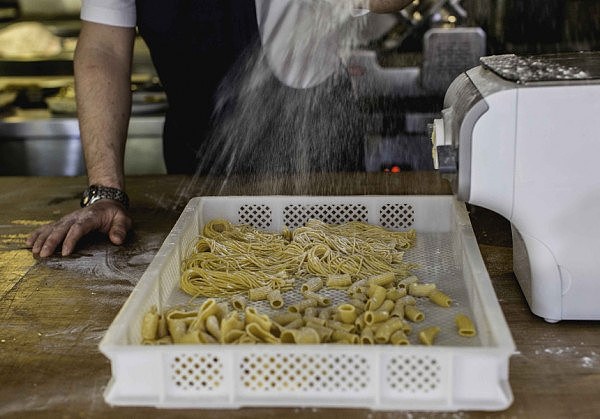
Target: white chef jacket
[(300, 38)]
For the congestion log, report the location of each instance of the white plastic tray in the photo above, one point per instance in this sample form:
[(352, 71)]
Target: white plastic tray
[(457, 373)]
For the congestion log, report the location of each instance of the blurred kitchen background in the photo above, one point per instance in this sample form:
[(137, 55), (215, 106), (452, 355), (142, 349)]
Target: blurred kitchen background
[(399, 76)]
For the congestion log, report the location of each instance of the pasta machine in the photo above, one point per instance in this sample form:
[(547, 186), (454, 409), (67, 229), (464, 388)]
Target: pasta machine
[(522, 136)]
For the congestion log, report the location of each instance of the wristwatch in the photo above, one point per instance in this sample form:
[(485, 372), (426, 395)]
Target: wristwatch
[(95, 193)]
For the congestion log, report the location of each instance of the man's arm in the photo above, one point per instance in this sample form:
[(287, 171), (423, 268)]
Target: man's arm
[(102, 65), (103, 85)]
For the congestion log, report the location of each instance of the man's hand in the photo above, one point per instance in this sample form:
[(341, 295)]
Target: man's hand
[(106, 216)]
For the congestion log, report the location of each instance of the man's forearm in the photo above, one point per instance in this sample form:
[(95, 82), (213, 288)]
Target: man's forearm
[(103, 88)]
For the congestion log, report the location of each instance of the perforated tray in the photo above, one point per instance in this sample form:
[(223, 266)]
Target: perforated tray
[(457, 373)]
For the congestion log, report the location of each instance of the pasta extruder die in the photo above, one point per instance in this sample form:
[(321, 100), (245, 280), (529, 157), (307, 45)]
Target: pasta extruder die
[(524, 136)]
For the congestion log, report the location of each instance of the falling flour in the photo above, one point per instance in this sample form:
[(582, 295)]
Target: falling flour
[(262, 126)]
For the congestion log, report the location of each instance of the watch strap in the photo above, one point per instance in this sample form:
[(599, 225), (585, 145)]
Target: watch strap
[(94, 193)]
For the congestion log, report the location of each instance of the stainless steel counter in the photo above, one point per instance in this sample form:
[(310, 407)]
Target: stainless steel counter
[(36, 143)]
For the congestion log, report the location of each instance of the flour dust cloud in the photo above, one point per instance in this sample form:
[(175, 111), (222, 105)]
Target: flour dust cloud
[(264, 127)]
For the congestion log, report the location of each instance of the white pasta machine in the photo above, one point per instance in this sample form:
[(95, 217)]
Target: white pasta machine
[(524, 135)]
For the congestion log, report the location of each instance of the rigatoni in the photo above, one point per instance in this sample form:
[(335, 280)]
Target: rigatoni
[(383, 333), (413, 314), (464, 325), (347, 313), (338, 280), (257, 294), (313, 284), (321, 300), (427, 336), (439, 298), (304, 335), (238, 302), (302, 305), (275, 299), (150, 324), (420, 290), (382, 279), (376, 295)]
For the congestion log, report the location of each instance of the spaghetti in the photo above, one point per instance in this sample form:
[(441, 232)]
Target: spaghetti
[(229, 259)]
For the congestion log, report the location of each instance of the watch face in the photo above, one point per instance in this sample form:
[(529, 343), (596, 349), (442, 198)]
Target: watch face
[(85, 199), (88, 194)]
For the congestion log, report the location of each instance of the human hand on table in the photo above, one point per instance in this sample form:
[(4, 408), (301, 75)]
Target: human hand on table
[(107, 216)]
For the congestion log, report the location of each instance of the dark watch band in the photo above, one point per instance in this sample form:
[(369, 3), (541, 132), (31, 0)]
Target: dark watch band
[(95, 193)]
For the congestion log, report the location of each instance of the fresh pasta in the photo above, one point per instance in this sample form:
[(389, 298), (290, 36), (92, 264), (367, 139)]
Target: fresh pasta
[(229, 259), (275, 299), (439, 298), (338, 280), (399, 338), (150, 324), (238, 302), (464, 325), (320, 299), (427, 336), (413, 314), (347, 313), (260, 293), (384, 332), (417, 289), (314, 284), (303, 335), (238, 266)]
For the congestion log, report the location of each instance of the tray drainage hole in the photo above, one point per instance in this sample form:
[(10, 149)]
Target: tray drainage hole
[(413, 375)]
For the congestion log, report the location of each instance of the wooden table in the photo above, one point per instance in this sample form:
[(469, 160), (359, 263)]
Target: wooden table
[(55, 311)]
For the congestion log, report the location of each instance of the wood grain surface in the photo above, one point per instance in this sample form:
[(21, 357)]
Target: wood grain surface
[(55, 311)]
